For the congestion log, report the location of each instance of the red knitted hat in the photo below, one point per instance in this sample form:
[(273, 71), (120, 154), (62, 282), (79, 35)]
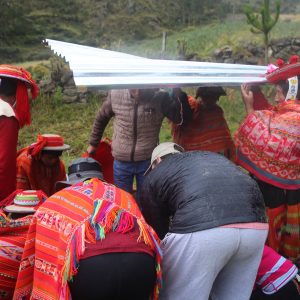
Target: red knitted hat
[(284, 70)]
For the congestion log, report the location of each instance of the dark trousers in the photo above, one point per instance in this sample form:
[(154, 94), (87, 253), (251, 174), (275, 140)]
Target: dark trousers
[(114, 276)]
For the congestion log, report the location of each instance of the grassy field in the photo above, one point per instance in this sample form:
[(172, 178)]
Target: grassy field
[(203, 40), (73, 122)]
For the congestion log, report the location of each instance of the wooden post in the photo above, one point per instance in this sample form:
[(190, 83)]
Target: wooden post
[(164, 42)]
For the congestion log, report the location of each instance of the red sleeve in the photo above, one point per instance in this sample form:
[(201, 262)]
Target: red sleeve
[(62, 171), (9, 129), (23, 167)]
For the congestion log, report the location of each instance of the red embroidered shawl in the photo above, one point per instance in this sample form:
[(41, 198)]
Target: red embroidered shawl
[(268, 145)]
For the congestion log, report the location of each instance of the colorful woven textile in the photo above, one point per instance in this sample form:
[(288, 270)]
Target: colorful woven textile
[(32, 174), (82, 213), (268, 145), (284, 228), (207, 130), (12, 240)]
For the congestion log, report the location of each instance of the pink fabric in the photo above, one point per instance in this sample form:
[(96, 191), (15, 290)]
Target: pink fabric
[(274, 271), (258, 226)]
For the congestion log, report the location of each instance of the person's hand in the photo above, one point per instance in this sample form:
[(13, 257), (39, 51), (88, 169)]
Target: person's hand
[(248, 98), (91, 150)]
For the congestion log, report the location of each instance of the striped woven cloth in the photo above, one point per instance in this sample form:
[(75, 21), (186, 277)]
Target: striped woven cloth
[(208, 131), (56, 239), (12, 240), (268, 145)]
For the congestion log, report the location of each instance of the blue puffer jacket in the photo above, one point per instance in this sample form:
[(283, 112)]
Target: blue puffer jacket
[(199, 190)]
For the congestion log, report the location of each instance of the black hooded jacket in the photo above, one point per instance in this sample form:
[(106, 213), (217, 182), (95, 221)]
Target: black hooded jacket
[(199, 190)]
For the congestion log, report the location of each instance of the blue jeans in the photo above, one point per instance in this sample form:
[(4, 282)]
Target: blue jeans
[(124, 173)]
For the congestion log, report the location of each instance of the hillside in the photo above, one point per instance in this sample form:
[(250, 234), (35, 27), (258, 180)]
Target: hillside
[(106, 23), (205, 39)]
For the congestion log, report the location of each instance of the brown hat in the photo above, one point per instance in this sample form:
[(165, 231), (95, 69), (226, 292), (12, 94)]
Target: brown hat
[(210, 90)]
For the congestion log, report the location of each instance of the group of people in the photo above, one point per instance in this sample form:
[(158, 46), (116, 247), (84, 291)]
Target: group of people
[(198, 226)]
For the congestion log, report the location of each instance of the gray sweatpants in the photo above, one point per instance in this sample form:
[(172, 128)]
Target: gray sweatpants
[(221, 262)]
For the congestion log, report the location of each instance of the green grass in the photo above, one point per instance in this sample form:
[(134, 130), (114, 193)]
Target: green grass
[(205, 39), (73, 122)]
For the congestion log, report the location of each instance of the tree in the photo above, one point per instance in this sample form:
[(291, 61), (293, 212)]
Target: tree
[(265, 24), (15, 25)]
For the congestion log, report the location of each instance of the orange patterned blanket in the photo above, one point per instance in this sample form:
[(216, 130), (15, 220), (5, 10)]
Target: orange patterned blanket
[(56, 239)]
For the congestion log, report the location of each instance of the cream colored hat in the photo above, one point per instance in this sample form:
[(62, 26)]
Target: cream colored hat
[(163, 149)]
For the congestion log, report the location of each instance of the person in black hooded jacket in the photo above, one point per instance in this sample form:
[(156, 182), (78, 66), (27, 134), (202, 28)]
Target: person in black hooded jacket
[(211, 217)]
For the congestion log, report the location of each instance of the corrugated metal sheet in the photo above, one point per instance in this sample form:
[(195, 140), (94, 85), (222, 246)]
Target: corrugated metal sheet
[(94, 67)]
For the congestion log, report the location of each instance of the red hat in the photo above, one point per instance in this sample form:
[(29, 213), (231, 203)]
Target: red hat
[(25, 81), (50, 142), (284, 71)]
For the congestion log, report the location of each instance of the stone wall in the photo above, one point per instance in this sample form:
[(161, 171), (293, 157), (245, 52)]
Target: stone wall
[(253, 54), (61, 77)]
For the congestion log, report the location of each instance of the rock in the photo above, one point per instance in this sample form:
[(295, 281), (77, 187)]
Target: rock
[(218, 53), (47, 86), (69, 99), (67, 77), (227, 51), (296, 42), (252, 60), (228, 61)]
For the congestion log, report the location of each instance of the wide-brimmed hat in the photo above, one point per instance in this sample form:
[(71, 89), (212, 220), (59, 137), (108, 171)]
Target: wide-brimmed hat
[(26, 201), (10, 71), (80, 170), (49, 142), (284, 70), (24, 81), (210, 90), (54, 142), (161, 150)]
